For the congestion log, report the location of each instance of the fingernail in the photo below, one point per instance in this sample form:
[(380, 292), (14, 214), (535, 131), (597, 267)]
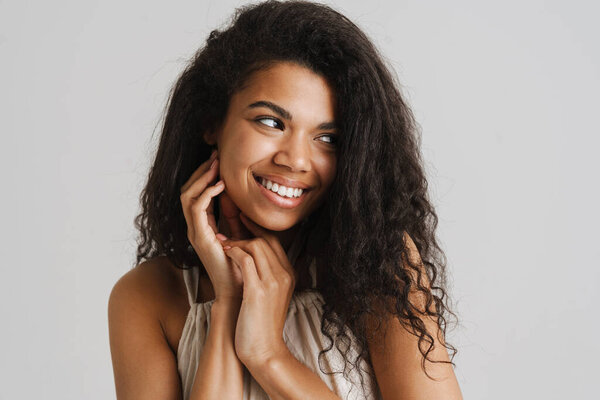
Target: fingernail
[(221, 237), (213, 154), (226, 247), (212, 165)]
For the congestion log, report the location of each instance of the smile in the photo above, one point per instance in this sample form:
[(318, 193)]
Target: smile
[(281, 196)]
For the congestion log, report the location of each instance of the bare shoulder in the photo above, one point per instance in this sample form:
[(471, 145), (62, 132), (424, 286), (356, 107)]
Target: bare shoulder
[(155, 281), (395, 353), (137, 306)]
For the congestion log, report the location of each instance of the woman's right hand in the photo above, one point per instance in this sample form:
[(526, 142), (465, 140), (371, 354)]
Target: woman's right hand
[(197, 198)]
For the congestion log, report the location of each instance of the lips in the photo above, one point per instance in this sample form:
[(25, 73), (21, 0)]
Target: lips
[(282, 181), (280, 201)]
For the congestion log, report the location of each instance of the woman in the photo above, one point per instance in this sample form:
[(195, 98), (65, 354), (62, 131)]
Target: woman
[(287, 243)]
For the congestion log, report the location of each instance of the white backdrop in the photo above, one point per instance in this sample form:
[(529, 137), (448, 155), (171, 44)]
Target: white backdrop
[(506, 94)]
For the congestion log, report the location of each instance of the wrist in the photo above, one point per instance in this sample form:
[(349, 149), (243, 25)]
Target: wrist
[(268, 362), (228, 302), (226, 308), (223, 318)]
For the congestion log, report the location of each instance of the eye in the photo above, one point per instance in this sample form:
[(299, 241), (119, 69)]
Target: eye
[(274, 121), (331, 139)]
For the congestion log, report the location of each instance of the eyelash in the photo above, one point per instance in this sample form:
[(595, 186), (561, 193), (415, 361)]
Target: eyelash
[(334, 136), (270, 118)]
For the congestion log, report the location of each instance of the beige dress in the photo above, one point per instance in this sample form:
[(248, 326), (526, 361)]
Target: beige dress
[(301, 333)]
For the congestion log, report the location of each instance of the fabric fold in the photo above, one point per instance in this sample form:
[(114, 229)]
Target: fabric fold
[(301, 333)]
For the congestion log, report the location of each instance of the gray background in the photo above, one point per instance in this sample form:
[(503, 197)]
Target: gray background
[(506, 94)]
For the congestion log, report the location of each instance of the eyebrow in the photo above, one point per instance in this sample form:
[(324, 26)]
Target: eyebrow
[(283, 113)]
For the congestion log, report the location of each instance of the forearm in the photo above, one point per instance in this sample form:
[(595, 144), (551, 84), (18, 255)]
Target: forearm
[(220, 374), (286, 378)]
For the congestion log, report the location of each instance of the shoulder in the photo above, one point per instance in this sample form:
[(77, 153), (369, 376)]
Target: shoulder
[(149, 272), (136, 306), (151, 282), (154, 290), (395, 349), (413, 253)]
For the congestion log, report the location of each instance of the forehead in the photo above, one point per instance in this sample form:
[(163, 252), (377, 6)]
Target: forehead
[(292, 86)]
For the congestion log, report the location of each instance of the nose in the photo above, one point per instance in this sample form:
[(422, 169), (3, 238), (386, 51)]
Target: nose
[(294, 152)]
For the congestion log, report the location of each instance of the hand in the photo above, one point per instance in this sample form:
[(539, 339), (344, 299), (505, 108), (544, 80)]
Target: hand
[(268, 285), (197, 203)]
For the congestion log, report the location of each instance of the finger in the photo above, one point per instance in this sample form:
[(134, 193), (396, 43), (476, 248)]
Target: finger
[(265, 261), (199, 207), (246, 264), (195, 189), (271, 239), (268, 265)]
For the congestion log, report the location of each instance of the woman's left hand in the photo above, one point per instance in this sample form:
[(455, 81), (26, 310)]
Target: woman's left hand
[(268, 285)]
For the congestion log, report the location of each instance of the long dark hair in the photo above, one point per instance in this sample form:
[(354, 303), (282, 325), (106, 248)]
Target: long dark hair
[(380, 189)]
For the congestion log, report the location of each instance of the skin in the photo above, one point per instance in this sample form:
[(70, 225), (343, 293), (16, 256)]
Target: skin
[(281, 123), (259, 140), (294, 150), (251, 279), (265, 140)]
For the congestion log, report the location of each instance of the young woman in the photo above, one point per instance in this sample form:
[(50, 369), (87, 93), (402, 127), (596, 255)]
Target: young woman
[(287, 242)]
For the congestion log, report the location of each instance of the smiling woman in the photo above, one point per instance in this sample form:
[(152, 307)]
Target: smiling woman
[(274, 130), (286, 233)]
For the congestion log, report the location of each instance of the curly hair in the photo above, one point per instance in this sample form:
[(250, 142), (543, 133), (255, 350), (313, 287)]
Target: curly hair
[(379, 193)]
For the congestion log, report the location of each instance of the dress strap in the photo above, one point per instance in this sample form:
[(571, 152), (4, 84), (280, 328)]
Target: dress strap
[(191, 276)]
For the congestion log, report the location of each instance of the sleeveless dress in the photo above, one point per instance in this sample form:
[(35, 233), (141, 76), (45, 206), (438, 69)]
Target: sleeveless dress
[(301, 333)]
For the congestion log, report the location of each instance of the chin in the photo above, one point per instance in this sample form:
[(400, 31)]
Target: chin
[(274, 223)]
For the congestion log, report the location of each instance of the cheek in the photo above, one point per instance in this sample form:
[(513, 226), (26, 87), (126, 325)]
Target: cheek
[(327, 170), (233, 155), (244, 146), (239, 153)]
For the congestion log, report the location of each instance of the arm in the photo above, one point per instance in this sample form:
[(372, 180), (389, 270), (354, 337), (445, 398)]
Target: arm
[(220, 372), (397, 361), (283, 377), (269, 281), (143, 364)]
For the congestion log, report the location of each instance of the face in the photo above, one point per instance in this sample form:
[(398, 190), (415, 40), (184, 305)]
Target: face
[(279, 128)]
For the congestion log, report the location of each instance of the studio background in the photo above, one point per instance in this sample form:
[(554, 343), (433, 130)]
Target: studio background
[(506, 94)]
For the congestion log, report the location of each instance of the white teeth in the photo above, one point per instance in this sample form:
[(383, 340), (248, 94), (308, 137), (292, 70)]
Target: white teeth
[(280, 189)]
